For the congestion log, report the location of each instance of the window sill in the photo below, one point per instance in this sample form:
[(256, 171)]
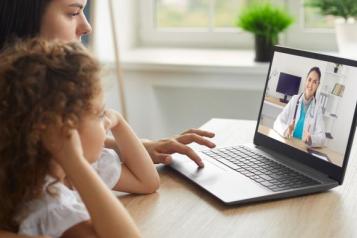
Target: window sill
[(193, 60)]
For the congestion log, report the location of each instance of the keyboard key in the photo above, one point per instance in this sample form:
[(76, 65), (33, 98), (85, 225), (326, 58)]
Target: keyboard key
[(228, 163), (266, 177), (266, 183)]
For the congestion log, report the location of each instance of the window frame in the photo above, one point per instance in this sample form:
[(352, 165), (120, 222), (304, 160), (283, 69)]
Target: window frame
[(296, 36)]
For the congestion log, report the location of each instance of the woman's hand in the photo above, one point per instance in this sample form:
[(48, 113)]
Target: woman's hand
[(307, 136), (291, 129), (160, 151)]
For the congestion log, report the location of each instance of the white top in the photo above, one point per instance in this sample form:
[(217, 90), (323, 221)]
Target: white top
[(53, 215), (313, 123)]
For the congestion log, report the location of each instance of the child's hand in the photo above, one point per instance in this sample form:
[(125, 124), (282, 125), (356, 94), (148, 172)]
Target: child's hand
[(113, 118), (63, 145)]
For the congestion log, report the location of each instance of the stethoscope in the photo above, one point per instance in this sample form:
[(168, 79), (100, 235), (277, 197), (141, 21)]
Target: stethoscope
[(297, 105)]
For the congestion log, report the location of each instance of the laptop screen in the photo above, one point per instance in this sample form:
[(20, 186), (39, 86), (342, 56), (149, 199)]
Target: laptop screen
[(309, 104)]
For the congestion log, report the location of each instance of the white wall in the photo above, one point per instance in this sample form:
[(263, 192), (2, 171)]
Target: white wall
[(126, 22), (345, 111)]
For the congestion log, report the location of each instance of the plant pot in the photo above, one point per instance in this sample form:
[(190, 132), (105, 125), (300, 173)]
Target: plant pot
[(346, 36), (263, 48)]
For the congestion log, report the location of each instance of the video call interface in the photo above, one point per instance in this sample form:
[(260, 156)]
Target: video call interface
[(309, 104)]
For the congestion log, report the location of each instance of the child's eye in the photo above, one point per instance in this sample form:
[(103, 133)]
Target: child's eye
[(73, 14)]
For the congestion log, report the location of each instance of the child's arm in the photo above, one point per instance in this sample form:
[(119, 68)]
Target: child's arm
[(138, 174), (110, 143), (108, 216)]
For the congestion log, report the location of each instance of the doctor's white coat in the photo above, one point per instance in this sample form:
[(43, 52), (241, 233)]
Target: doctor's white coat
[(313, 118)]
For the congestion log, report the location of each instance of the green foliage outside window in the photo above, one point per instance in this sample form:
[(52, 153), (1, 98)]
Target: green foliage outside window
[(340, 8)]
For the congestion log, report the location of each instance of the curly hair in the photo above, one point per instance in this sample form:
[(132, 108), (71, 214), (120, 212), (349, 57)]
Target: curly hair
[(41, 84)]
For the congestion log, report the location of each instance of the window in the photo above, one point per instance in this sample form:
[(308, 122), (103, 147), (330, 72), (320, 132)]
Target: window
[(195, 13), (310, 30), (314, 20), (211, 23)]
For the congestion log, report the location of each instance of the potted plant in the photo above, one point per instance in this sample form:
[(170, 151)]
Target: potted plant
[(345, 12), (266, 22)]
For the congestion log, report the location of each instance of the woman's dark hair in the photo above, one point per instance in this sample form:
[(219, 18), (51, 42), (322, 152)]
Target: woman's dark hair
[(20, 19), (315, 69)]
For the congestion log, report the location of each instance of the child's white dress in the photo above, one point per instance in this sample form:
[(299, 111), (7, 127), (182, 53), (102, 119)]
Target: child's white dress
[(53, 215)]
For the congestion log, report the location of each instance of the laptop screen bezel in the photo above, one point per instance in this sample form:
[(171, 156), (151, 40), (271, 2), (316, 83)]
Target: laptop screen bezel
[(333, 171)]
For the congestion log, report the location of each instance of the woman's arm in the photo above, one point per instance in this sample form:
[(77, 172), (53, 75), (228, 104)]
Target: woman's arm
[(316, 130), (138, 174), (283, 125)]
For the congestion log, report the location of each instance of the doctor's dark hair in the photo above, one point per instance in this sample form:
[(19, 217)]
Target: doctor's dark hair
[(20, 19), (43, 85), (316, 70)]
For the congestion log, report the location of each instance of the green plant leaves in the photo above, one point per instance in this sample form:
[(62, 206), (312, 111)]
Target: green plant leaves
[(339, 8), (264, 20)]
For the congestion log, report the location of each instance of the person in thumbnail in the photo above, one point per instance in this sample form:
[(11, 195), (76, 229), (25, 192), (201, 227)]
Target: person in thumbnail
[(302, 117)]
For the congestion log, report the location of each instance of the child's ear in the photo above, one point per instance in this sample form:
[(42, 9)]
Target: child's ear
[(71, 121)]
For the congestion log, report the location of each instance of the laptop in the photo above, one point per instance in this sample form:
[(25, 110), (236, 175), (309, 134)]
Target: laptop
[(310, 157)]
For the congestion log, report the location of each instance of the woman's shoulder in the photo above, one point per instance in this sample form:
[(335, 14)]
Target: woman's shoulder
[(295, 97)]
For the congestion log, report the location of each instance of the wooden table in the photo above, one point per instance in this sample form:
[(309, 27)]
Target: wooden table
[(275, 101), (181, 209)]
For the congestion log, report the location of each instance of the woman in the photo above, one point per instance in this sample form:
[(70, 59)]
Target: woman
[(65, 20), (302, 117)]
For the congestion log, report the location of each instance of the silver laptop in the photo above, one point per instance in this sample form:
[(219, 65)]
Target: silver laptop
[(303, 136)]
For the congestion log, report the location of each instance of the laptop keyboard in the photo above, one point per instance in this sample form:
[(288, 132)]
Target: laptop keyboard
[(270, 174)]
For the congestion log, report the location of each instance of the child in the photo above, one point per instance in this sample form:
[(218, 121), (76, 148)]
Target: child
[(52, 123)]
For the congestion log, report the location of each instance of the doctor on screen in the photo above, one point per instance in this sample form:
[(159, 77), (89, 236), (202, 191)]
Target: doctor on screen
[(302, 117)]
